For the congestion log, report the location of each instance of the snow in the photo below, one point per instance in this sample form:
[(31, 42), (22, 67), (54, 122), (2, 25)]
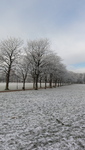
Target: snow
[(51, 119), (18, 86), (15, 86)]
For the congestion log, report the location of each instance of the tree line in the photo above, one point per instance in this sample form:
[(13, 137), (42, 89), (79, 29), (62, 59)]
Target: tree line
[(35, 61)]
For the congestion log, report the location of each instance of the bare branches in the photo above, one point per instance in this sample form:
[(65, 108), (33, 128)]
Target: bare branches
[(36, 51), (9, 53), (37, 60)]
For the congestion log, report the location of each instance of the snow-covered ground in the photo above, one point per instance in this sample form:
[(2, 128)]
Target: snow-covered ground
[(51, 119), (18, 86), (15, 86)]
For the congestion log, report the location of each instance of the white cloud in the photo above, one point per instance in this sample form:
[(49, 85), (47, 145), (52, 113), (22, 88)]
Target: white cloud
[(70, 43)]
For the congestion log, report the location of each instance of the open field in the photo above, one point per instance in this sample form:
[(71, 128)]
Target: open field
[(18, 86), (51, 119), (15, 86)]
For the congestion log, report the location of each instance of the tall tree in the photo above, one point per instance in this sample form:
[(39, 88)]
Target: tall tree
[(23, 69), (9, 53), (52, 67), (36, 51)]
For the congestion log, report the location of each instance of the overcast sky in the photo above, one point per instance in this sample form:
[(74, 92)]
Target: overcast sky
[(61, 21)]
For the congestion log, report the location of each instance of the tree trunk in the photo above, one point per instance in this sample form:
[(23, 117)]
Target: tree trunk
[(40, 84), (7, 81), (36, 83), (58, 83), (45, 82), (50, 81), (50, 84), (23, 84), (7, 77)]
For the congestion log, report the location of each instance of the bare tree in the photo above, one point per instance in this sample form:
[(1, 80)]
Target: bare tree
[(52, 67), (9, 53), (75, 77), (23, 69), (36, 51)]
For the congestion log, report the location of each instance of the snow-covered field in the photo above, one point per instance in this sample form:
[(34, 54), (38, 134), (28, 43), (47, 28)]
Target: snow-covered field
[(51, 119), (15, 86), (18, 86)]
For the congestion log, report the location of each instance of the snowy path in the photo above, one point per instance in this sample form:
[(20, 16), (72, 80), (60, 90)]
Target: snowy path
[(52, 119)]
